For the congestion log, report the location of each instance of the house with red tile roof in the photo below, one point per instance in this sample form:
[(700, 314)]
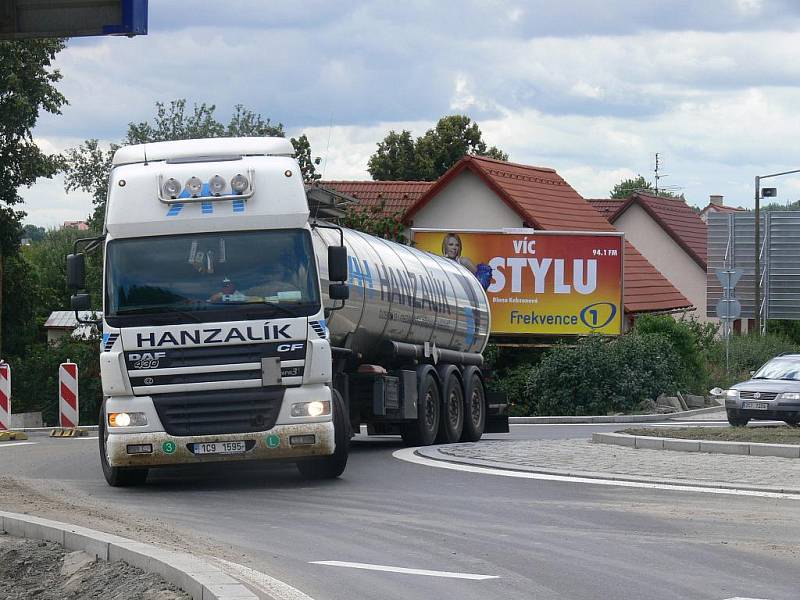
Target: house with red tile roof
[(482, 193), (716, 204), (669, 234), (388, 198)]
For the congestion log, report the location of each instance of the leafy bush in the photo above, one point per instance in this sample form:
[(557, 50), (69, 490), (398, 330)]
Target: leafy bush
[(35, 379), (597, 376), (747, 353), (692, 342)]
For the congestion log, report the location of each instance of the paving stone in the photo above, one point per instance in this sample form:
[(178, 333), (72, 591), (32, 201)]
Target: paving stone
[(582, 455), (651, 443), (786, 450), (682, 445), (725, 447)]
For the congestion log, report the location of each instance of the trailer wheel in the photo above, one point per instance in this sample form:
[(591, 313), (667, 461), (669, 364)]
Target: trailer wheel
[(116, 476), (452, 422), (422, 432), (474, 409), (330, 467)]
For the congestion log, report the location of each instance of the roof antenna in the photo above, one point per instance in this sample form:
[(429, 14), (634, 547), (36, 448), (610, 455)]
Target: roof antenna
[(328, 147), (658, 164)]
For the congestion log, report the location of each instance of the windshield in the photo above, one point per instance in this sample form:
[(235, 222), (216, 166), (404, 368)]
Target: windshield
[(211, 276), (780, 369)]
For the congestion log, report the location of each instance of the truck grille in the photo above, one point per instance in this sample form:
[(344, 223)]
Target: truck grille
[(761, 395), (219, 412)]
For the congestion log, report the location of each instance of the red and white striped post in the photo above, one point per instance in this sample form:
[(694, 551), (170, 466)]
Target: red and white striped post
[(68, 395), (5, 396)]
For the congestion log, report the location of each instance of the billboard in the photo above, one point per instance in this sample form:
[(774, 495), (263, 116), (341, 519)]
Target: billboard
[(540, 282)]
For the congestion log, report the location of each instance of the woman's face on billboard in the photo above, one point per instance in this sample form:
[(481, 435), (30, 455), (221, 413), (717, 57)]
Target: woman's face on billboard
[(452, 247)]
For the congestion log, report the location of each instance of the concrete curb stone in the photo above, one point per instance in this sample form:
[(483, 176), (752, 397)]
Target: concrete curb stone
[(713, 447), (195, 576), (614, 418), (433, 453)]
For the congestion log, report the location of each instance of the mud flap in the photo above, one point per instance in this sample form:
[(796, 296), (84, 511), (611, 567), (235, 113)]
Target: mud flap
[(497, 412)]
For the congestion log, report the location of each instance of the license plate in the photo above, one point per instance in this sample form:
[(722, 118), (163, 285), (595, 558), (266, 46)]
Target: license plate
[(756, 405), (219, 448)]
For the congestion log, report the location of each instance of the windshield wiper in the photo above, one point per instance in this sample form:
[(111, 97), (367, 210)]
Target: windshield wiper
[(282, 309)]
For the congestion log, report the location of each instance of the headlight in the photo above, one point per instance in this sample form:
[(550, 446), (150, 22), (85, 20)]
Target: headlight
[(217, 185), (135, 419), (172, 187), (316, 408), (239, 184), (194, 186), (790, 396), (732, 393)]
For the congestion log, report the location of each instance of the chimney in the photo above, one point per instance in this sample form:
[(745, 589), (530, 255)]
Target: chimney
[(716, 199)]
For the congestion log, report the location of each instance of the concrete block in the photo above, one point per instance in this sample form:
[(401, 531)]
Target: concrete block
[(725, 447), (682, 445), (693, 401), (133, 553), (619, 439), (782, 450), (650, 443), (234, 591), (14, 527), (25, 420), (91, 544), (38, 530)]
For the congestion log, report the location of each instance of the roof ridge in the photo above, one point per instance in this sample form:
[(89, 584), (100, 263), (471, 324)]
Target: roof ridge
[(508, 162), (368, 181)]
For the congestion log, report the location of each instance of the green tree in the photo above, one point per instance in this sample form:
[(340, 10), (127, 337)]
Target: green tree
[(27, 86), (398, 157), (626, 187), (308, 164), (33, 232), (88, 166), (395, 159)]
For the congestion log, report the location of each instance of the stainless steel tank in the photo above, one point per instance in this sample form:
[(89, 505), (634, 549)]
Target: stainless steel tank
[(401, 294)]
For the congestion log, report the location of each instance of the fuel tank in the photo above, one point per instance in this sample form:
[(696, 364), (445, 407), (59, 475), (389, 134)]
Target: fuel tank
[(401, 294)]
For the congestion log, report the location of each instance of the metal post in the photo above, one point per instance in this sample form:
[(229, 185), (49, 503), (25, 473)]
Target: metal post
[(757, 288)]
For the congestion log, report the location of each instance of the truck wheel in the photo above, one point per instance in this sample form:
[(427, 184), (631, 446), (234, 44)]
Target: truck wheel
[(452, 421), (736, 418), (474, 409), (422, 432), (116, 476), (330, 467)]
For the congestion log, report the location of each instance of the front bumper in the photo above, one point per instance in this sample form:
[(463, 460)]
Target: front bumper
[(174, 450), (778, 409)]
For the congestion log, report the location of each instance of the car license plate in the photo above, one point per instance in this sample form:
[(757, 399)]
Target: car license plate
[(219, 448), (755, 405)]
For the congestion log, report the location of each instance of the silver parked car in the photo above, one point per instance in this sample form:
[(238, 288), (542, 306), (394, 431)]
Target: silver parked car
[(772, 392)]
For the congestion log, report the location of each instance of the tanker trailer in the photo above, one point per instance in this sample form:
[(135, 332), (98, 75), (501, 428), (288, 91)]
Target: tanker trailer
[(407, 342)]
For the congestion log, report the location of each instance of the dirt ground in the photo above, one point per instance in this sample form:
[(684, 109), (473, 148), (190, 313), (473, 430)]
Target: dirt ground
[(769, 435), (46, 571)]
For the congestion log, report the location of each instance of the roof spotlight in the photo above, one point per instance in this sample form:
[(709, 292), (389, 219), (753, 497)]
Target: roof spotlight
[(239, 184), (172, 187), (194, 186), (217, 185)]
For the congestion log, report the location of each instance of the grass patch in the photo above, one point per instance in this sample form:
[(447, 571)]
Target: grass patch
[(765, 435)]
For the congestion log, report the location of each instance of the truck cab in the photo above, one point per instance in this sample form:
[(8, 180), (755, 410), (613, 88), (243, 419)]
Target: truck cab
[(214, 341)]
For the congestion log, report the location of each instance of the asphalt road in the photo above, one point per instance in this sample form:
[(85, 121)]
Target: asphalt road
[(536, 539)]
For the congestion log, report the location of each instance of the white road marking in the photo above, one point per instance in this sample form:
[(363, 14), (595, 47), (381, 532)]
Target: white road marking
[(402, 570), (740, 598), (274, 588), (84, 438), (407, 454), (14, 444)]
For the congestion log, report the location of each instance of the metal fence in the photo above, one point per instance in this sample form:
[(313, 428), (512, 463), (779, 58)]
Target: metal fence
[(731, 239)]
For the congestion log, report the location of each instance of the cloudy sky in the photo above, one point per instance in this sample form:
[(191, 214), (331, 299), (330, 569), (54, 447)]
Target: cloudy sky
[(592, 89)]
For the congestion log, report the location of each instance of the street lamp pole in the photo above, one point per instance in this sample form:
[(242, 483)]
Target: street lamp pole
[(758, 242)]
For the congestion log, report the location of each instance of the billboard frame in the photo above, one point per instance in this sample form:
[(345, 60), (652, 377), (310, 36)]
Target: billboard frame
[(539, 339)]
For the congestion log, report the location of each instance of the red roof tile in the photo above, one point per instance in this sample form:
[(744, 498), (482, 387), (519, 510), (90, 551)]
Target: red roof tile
[(605, 206), (396, 196), (677, 219), (722, 208), (545, 201)]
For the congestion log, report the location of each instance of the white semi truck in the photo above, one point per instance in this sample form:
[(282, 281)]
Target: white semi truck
[(236, 328)]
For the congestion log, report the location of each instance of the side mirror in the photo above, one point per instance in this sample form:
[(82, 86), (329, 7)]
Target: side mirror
[(716, 391), (752, 373), (80, 302), (337, 263), (339, 291), (76, 271)]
